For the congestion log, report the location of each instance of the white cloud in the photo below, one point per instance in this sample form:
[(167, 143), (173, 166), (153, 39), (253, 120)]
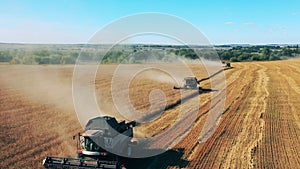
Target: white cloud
[(278, 29), (229, 23), (294, 13), (249, 23), (235, 30)]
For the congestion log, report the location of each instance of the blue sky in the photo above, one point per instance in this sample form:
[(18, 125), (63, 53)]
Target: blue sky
[(222, 22)]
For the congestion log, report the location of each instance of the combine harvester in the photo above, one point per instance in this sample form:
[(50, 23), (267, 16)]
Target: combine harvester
[(190, 83), (105, 131), (226, 65)]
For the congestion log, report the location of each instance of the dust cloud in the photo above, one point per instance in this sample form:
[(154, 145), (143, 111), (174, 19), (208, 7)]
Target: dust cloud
[(46, 85)]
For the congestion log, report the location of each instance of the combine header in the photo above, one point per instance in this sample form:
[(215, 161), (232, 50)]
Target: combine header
[(102, 136), (59, 162)]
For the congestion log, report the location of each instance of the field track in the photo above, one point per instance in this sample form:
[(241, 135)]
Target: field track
[(259, 127)]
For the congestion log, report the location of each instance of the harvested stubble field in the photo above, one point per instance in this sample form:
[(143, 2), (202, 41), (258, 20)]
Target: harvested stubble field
[(259, 128)]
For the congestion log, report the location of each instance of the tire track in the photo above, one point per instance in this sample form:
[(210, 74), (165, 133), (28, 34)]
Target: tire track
[(253, 108), (280, 144), (203, 150)]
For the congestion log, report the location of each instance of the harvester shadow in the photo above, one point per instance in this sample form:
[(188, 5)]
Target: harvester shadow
[(177, 103), (185, 99), (155, 114), (170, 158)]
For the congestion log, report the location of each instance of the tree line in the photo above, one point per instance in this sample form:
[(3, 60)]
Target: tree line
[(37, 57), (140, 54), (258, 53)]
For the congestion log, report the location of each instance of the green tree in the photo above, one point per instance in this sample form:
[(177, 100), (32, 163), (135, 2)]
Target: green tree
[(244, 56), (255, 57), (120, 58), (15, 61), (42, 53), (55, 59), (5, 56), (274, 58), (67, 60), (42, 60), (131, 60), (233, 59), (266, 52), (286, 51), (28, 60), (225, 55)]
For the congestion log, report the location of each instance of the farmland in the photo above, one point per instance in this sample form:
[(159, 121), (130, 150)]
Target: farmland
[(259, 126)]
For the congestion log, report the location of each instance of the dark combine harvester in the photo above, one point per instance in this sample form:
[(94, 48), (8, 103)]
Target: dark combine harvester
[(105, 131)]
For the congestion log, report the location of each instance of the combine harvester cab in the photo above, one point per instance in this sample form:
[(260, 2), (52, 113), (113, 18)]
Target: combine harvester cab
[(101, 135)]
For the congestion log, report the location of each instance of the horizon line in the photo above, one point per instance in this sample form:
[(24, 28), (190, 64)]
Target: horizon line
[(163, 44)]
